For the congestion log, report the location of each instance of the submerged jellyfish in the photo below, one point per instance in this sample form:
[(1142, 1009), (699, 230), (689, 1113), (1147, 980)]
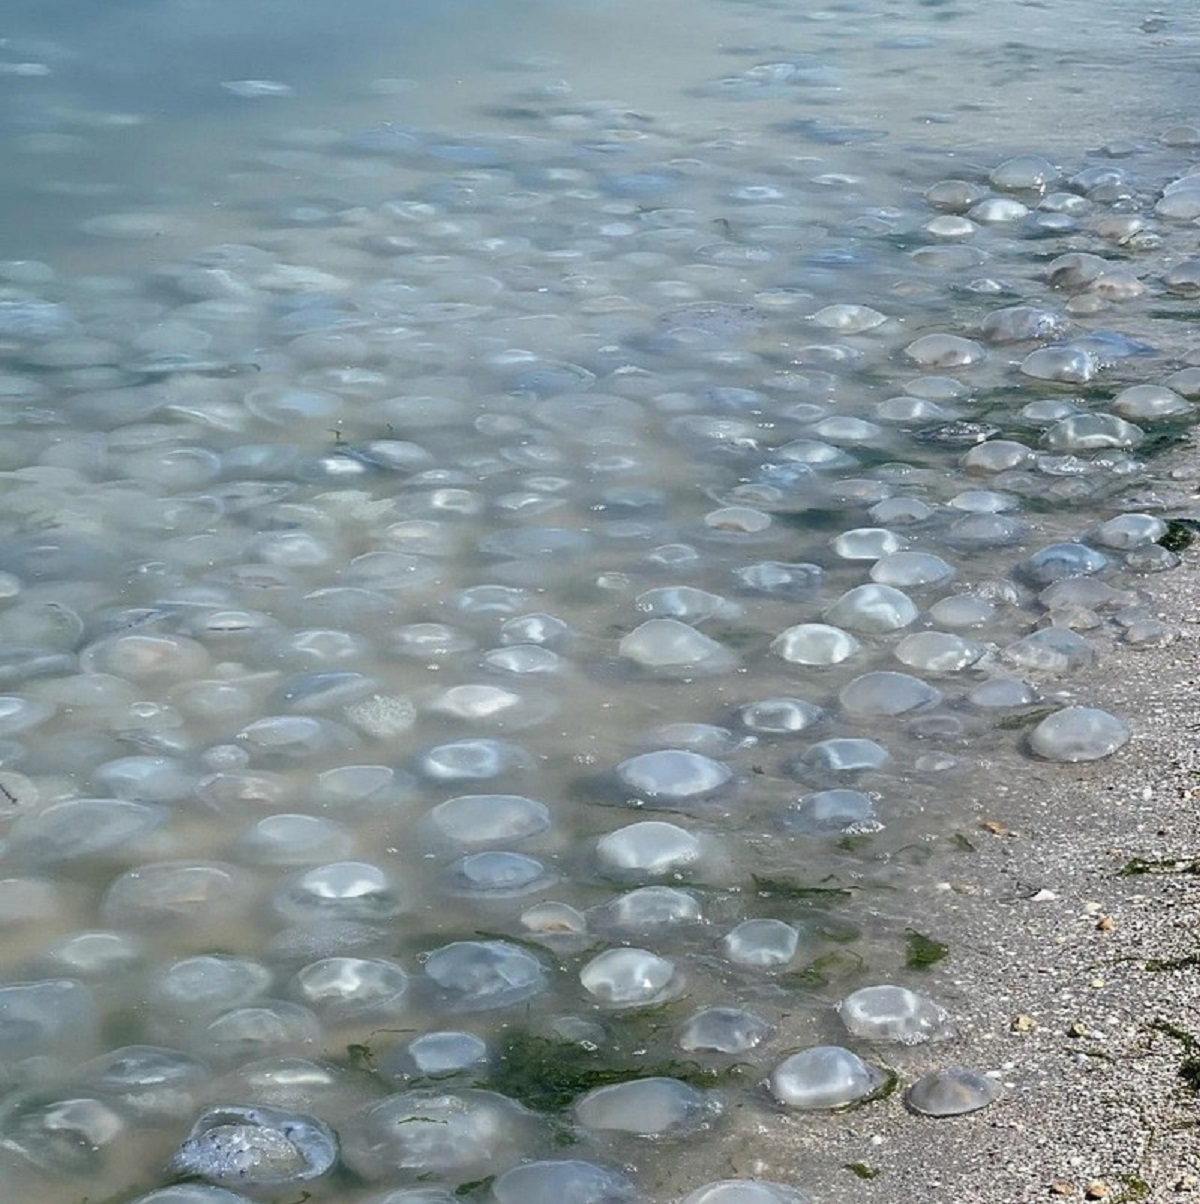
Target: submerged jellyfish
[(257, 1147)]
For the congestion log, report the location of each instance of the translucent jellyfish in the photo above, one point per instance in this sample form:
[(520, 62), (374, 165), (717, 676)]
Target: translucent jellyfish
[(257, 1148), (815, 644), (866, 543), (944, 351), (480, 976), (1025, 173), (1020, 323), (356, 788), (522, 659), (826, 1076), (271, 1026), (1183, 280), (63, 1134), (1091, 432), (830, 812), (84, 828), (843, 754), (686, 603), (888, 1013), (727, 1030), (1078, 734), (939, 651), (490, 818), (341, 890), (343, 988), (55, 1018), (1057, 560), (149, 1083), (143, 658), (778, 580), (672, 647), (746, 1191), (498, 874), (95, 955), (815, 454), (542, 629), (566, 1181), (847, 430), (192, 1193), (630, 977), (175, 892), (886, 693), (1129, 531), (673, 776), (205, 985), (954, 195), (294, 737), (1002, 693), (648, 1107), (457, 1135), (294, 840), (1051, 650), (1063, 364), (650, 907), (704, 738), (997, 211), (997, 455), (873, 608), (780, 716), (909, 569), (648, 849), (761, 943), (849, 319), (952, 1091), (20, 714), (552, 922), (430, 639), (950, 225), (474, 760), (440, 1054), (495, 706)]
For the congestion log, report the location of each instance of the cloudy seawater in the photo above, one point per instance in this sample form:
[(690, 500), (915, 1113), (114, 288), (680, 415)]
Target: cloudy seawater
[(516, 520)]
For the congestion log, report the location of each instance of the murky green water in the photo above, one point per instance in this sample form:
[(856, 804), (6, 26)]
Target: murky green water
[(522, 524)]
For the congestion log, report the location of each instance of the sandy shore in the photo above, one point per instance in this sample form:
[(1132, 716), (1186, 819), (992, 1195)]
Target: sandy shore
[(1077, 984)]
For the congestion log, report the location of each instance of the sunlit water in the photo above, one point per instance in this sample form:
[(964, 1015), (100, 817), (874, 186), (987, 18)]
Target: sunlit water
[(522, 526)]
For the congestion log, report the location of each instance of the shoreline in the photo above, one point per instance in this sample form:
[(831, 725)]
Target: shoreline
[(1073, 976)]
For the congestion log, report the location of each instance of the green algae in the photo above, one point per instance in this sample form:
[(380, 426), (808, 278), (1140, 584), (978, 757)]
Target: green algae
[(817, 896), (861, 1170), (548, 1074), (923, 951), (1180, 534), (1137, 866), (837, 965)]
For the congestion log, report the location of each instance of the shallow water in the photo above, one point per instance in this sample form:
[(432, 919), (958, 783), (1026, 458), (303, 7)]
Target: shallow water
[(527, 534)]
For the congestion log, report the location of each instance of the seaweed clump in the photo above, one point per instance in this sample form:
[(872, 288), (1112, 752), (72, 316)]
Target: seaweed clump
[(548, 1074)]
